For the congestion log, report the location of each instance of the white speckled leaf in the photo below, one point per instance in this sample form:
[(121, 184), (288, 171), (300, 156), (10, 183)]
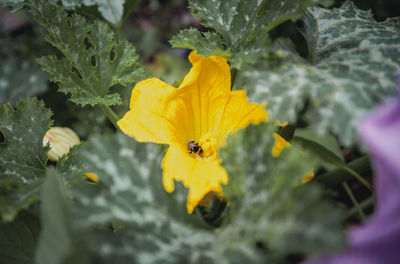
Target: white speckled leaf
[(22, 156), (208, 43), (354, 64), (272, 207), (156, 227), (19, 79), (94, 59), (14, 5), (240, 21), (241, 26), (111, 10)]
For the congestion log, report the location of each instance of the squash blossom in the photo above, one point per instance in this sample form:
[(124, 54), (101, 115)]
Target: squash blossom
[(194, 120), (61, 139)]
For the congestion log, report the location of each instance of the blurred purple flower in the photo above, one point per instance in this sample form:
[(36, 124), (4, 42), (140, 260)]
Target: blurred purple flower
[(378, 240)]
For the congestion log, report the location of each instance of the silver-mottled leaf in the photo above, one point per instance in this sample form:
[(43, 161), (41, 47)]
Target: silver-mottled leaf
[(157, 226), (22, 155), (19, 79), (241, 26), (241, 21), (154, 227), (111, 10), (354, 63)]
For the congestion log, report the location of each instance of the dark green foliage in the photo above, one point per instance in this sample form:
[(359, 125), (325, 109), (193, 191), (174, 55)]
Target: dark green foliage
[(154, 226), (18, 239), (93, 61), (241, 27), (19, 79), (22, 156), (58, 242)]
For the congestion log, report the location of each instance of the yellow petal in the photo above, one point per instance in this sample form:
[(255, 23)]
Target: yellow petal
[(202, 95), (239, 113), (92, 176), (279, 124), (308, 177), (200, 176), (280, 144), (150, 118)]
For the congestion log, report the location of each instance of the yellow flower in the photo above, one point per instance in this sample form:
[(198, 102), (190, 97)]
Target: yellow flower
[(280, 144), (92, 176), (308, 177), (194, 120)]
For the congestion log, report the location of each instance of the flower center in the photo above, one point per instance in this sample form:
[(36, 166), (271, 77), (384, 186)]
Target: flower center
[(208, 144), (205, 148)]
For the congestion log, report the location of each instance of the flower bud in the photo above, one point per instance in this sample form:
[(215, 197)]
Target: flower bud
[(61, 139)]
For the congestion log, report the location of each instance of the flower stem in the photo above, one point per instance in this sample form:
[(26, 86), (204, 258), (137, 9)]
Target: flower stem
[(112, 116), (353, 200), (367, 203), (337, 176), (358, 176)]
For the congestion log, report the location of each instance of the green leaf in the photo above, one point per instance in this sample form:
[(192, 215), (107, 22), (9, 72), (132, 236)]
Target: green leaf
[(154, 227), (268, 209), (111, 10), (19, 79), (130, 191), (327, 152), (58, 241), (353, 68), (94, 58), (241, 27), (208, 43), (22, 156), (329, 142), (14, 5), (240, 21), (356, 57), (19, 238)]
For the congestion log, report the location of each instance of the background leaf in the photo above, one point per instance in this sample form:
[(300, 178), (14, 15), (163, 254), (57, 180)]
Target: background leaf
[(94, 59), (354, 63), (240, 26), (207, 43), (22, 155), (58, 238), (112, 11), (19, 79), (153, 226), (19, 238), (14, 5), (271, 214), (157, 228)]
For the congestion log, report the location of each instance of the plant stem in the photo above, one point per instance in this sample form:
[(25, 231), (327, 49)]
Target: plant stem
[(354, 200), (337, 176), (112, 116), (363, 205), (361, 179)]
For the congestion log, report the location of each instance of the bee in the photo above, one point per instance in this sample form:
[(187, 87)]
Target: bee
[(194, 147)]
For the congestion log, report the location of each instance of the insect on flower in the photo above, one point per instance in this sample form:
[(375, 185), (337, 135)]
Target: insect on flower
[(194, 147)]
